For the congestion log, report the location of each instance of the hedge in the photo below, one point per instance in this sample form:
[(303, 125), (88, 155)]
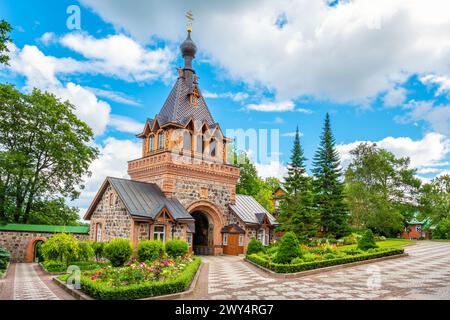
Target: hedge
[(57, 266), (179, 283), (304, 266)]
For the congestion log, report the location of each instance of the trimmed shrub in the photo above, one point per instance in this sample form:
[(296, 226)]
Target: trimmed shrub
[(150, 250), (367, 241), (254, 246), (85, 250), (137, 291), (57, 266), (5, 256), (99, 250), (288, 249), (54, 266), (118, 251), (442, 230), (61, 247), (177, 248)]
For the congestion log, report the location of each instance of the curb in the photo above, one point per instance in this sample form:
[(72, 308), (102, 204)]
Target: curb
[(80, 295), (325, 269)]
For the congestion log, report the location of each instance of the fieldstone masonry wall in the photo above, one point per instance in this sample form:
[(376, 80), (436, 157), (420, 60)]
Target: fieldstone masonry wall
[(21, 243)]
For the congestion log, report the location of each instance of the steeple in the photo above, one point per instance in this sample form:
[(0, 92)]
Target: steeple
[(188, 50)]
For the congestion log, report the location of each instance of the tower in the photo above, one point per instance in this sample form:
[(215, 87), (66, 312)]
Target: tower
[(184, 152)]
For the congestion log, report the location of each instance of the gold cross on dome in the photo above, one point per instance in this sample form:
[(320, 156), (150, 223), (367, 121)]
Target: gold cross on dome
[(190, 18)]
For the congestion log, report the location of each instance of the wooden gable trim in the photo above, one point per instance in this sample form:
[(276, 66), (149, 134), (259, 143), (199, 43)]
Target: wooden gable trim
[(166, 216)]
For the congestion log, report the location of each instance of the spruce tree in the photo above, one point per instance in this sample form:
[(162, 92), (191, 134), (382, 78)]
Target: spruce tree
[(328, 189), (296, 212)]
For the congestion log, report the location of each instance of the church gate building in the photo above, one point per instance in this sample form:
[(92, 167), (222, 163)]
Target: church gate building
[(183, 186)]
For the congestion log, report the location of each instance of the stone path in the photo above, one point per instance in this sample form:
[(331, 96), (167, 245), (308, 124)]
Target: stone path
[(425, 274)]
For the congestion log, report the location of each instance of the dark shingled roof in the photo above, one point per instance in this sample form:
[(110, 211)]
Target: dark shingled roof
[(146, 200), (178, 108), (250, 211)]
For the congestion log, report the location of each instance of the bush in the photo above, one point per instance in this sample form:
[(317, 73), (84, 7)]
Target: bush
[(143, 290), (442, 230), (57, 266), (367, 241), (85, 250), (150, 250), (118, 251), (351, 239), (5, 256), (99, 250), (254, 246), (288, 249), (54, 266), (61, 247), (177, 248)]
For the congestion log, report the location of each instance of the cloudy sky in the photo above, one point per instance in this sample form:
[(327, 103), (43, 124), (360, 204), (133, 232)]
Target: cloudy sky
[(380, 68)]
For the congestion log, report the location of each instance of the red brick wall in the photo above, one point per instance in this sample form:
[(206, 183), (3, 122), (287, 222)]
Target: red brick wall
[(413, 233)]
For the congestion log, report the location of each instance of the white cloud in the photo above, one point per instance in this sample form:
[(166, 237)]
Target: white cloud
[(238, 96), (291, 134), (425, 154), (394, 97), (125, 124), (442, 82), (118, 97), (350, 52), (273, 169), (48, 38), (112, 162), (282, 106)]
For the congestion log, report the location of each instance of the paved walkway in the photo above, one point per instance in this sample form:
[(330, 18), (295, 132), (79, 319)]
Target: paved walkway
[(425, 274)]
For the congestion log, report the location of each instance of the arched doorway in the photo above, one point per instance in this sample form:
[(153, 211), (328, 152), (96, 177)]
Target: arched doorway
[(34, 244), (37, 252), (203, 241)]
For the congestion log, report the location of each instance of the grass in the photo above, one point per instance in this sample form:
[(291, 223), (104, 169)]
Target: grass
[(388, 243)]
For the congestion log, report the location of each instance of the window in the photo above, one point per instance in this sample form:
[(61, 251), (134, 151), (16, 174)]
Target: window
[(178, 232), (159, 233), (161, 140), (241, 240), (225, 239), (212, 147), (263, 237), (277, 203), (111, 199), (419, 228), (189, 239), (187, 141), (98, 232), (151, 143), (199, 144)]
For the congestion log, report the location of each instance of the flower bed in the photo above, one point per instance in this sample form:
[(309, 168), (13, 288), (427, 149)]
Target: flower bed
[(141, 280), (350, 256)]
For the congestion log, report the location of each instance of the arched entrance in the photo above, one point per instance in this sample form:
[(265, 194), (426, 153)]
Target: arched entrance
[(33, 248), (207, 239), (37, 252)]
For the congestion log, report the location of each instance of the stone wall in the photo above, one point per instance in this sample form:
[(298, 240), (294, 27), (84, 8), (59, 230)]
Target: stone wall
[(112, 216), (21, 243)]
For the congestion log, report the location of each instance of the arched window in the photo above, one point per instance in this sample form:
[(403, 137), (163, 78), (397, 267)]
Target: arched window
[(199, 144), (151, 143), (187, 141), (161, 140), (98, 232), (213, 147)]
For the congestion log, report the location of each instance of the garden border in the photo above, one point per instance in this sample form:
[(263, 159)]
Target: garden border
[(324, 269), (48, 272), (3, 274), (80, 295)]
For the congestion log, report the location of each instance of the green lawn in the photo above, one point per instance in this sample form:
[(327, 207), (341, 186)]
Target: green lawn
[(388, 243)]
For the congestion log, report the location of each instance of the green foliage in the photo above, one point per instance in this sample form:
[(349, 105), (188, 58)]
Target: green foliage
[(435, 199), (5, 29), (118, 251), (176, 248), (380, 189), (367, 241), (249, 182), (288, 249), (61, 247), (99, 250), (328, 189), (178, 283), (53, 212), (150, 250), (296, 180), (57, 266), (5, 256), (54, 266), (442, 230), (45, 152), (85, 250), (304, 266), (254, 246)]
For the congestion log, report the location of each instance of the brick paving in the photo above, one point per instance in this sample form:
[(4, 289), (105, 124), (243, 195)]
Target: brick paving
[(424, 274)]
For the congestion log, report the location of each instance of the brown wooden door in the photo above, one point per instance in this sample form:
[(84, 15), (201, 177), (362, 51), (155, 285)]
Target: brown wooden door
[(232, 248)]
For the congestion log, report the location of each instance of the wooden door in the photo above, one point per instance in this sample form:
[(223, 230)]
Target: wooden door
[(232, 248)]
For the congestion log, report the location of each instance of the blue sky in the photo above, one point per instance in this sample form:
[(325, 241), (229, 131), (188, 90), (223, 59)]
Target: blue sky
[(382, 73)]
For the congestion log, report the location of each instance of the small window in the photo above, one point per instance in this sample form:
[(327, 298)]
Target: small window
[(161, 140), (225, 239), (213, 147), (241, 240), (419, 228), (98, 233), (159, 233), (199, 144), (151, 143), (187, 143), (189, 239), (111, 199), (178, 233)]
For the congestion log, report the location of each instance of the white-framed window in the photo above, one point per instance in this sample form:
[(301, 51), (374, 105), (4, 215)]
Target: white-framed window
[(178, 232), (159, 233), (419, 228), (263, 237), (199, 144), (189, 239), (151, 143), (187, 141), (98, 232), (241, 240), (277, 203), (213, 147), (225, 239), (161, 140)]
